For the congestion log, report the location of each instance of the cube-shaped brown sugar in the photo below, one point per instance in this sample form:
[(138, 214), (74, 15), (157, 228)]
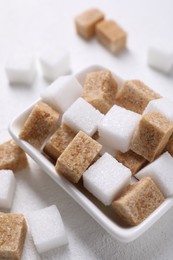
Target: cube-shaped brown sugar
[(12, 236), (111, 35), (100, 89), (131, 160), (151, 135), (59, 141), (169, 146), (12, 157), (86, 22), (135, 95), (77, 157), (39, 124), (138, 202)]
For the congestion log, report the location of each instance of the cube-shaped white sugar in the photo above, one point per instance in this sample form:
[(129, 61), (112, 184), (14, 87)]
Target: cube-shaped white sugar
[(7, 188), (160, 58), (47, 229), (117, 127), (161, 172), (106, 178), (54, 62), (162, 105), (62, 93), (82, 116), (21, 69)]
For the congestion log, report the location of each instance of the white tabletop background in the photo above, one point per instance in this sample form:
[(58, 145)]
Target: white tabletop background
[(33, 24)]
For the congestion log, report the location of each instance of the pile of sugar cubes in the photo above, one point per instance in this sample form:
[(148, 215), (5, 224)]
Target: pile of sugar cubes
[(21, 67), (110, 34), (14, 226), (76, 126)]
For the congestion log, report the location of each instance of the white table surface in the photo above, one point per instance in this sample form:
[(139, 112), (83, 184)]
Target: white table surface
[(34, 24)]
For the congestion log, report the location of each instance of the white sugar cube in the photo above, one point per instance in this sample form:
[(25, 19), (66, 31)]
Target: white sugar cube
[(62, 93), (160, 58), (106, 178), (117, 127), (161, 172), (47, 229), (21, 69), (7, 188), (54, 62), (161, 105), (82, 116)]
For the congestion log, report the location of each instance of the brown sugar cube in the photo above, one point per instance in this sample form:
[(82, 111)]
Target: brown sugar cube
[(86, 22), (135, 95), (151, 135), (39, 124), (139, 201), (12, 157), (100, 90), (77, 157), (169, 146), (111, 35), (131, 160), (13, 230), (59, 141)]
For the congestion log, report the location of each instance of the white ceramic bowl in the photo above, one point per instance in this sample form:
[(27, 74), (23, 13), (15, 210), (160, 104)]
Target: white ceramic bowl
[(103, 215)]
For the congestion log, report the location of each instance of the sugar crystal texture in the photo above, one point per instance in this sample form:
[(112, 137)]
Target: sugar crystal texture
[(135, 95), (161, 172), (7, 188), (162, 105), (82, 116), (117, 127), (86, 22), (106, 178), (138, 202), (77, 157), (169, 146), (62, 93), (40, 123), (12, 157), (111, 35), (47, 229), (160, 58), (100, 90), (21, 69), (152, 135), (54, 62), (59, 141), (13, 230)]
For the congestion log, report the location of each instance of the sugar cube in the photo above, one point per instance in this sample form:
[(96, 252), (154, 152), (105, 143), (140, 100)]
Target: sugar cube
[(77, 157), (13, 230), (41, 121), (135, 95), (54, 62), (7, 188), (106, 178), (100, 90), (151, 135), (160, 58), (21, 68), (12, 157), (86, 22), (47, 229), (82, 116), (161, 172), (162, 105), (111, 35), (59, 141), (62, 93), (117, 127), (131, 160), (138, 202)]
